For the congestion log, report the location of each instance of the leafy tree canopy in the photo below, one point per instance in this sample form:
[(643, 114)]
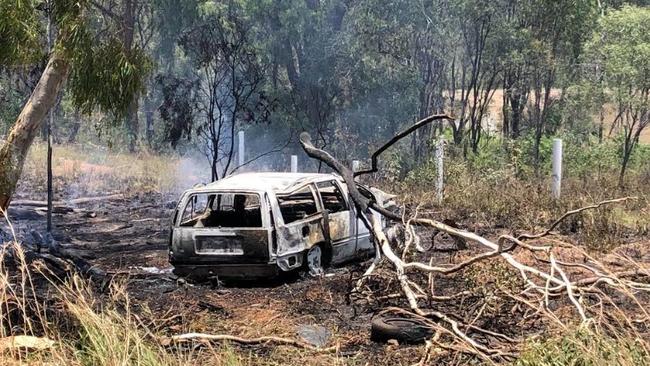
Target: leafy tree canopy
[(103, 73)]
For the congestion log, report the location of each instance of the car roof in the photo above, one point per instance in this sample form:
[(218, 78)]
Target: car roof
[(271, 181)]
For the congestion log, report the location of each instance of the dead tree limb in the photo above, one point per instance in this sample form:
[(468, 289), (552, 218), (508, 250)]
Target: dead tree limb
[(204, 337), (76, 201), (539, 283), (573, 212), (399, 136)]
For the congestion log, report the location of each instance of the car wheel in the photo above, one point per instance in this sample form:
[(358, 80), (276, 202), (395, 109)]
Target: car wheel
[(315, 261), (403, 330)]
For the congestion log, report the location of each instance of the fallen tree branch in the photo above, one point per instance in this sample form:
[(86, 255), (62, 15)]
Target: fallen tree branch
[(573, 212), (539, 283), (204, 337), (67, 203)]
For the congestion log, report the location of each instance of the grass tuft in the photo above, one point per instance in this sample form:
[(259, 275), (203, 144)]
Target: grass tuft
[(586, 347)]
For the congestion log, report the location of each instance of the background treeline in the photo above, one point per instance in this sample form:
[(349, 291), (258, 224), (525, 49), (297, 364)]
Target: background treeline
[(513, 73)]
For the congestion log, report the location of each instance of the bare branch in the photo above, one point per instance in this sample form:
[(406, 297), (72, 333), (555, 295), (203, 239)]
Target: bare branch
[(573, 212), (203, 337), (398, 137)]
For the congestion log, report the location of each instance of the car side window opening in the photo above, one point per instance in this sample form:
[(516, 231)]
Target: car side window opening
[(235, 210), (297, 205), (332, 197)]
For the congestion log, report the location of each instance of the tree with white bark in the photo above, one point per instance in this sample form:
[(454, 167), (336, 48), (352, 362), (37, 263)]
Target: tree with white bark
[(87, 54)]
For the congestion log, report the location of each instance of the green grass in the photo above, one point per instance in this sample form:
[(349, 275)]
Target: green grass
[(585, 347)]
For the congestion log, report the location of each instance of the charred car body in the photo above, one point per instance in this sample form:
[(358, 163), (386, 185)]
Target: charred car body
[(261, 224)]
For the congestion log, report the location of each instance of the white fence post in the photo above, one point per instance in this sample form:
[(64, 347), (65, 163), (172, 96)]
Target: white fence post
[(440, 154), (557, 167), (355, 168), (294, 163), (240, 151)]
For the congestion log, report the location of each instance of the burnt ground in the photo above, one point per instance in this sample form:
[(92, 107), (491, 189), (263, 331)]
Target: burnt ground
[(127, 238)]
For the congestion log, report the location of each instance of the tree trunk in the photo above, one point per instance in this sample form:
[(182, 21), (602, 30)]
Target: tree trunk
[(631, 140), (132, 125), (148, 113), (21, 136), (505, 125), (128, 28), (74, 130), (621, 174), (516, 112)]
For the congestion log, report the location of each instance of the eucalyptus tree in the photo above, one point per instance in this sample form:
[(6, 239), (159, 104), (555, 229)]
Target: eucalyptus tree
[(300, 40), (87, 53), (398, 58), (559, 30), (620, 48), (515, 54), (135, 25), (475, 72), (223, 89)]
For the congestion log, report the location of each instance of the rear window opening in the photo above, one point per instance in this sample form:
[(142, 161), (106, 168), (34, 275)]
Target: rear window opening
[(233, 210)]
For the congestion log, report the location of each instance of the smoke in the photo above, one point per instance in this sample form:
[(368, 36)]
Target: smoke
[(192, 170)]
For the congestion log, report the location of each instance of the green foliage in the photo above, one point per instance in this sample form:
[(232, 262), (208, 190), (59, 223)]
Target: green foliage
[(20, 29), (106, 76), (177, 108), (10, 104), (622, 47), (585, 347), (174, 17), (588, 158), (22, 38), (360, 71), (620, 52)]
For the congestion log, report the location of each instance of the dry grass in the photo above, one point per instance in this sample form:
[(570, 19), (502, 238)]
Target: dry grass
[(81, 327), (488, 201), (81, 170), (91, 329), (84, 331), (108, 328), (586, 347)]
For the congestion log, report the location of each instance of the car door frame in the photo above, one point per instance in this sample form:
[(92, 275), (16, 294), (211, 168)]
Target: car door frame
[(344, 249), (291, 237)]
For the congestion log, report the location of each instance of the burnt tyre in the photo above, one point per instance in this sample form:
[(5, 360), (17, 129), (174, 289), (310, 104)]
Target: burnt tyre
[(404, 330)]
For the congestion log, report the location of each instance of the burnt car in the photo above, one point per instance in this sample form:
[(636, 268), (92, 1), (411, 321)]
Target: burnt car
[(261, 224)]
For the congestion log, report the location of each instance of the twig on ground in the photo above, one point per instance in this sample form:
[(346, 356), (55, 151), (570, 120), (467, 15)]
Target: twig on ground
[(204, 337)]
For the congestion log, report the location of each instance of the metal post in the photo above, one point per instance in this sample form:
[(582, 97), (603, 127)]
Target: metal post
[(240, 151), (294, 163), (355, 167), (440, 154), (50, 122), (557, 167)]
